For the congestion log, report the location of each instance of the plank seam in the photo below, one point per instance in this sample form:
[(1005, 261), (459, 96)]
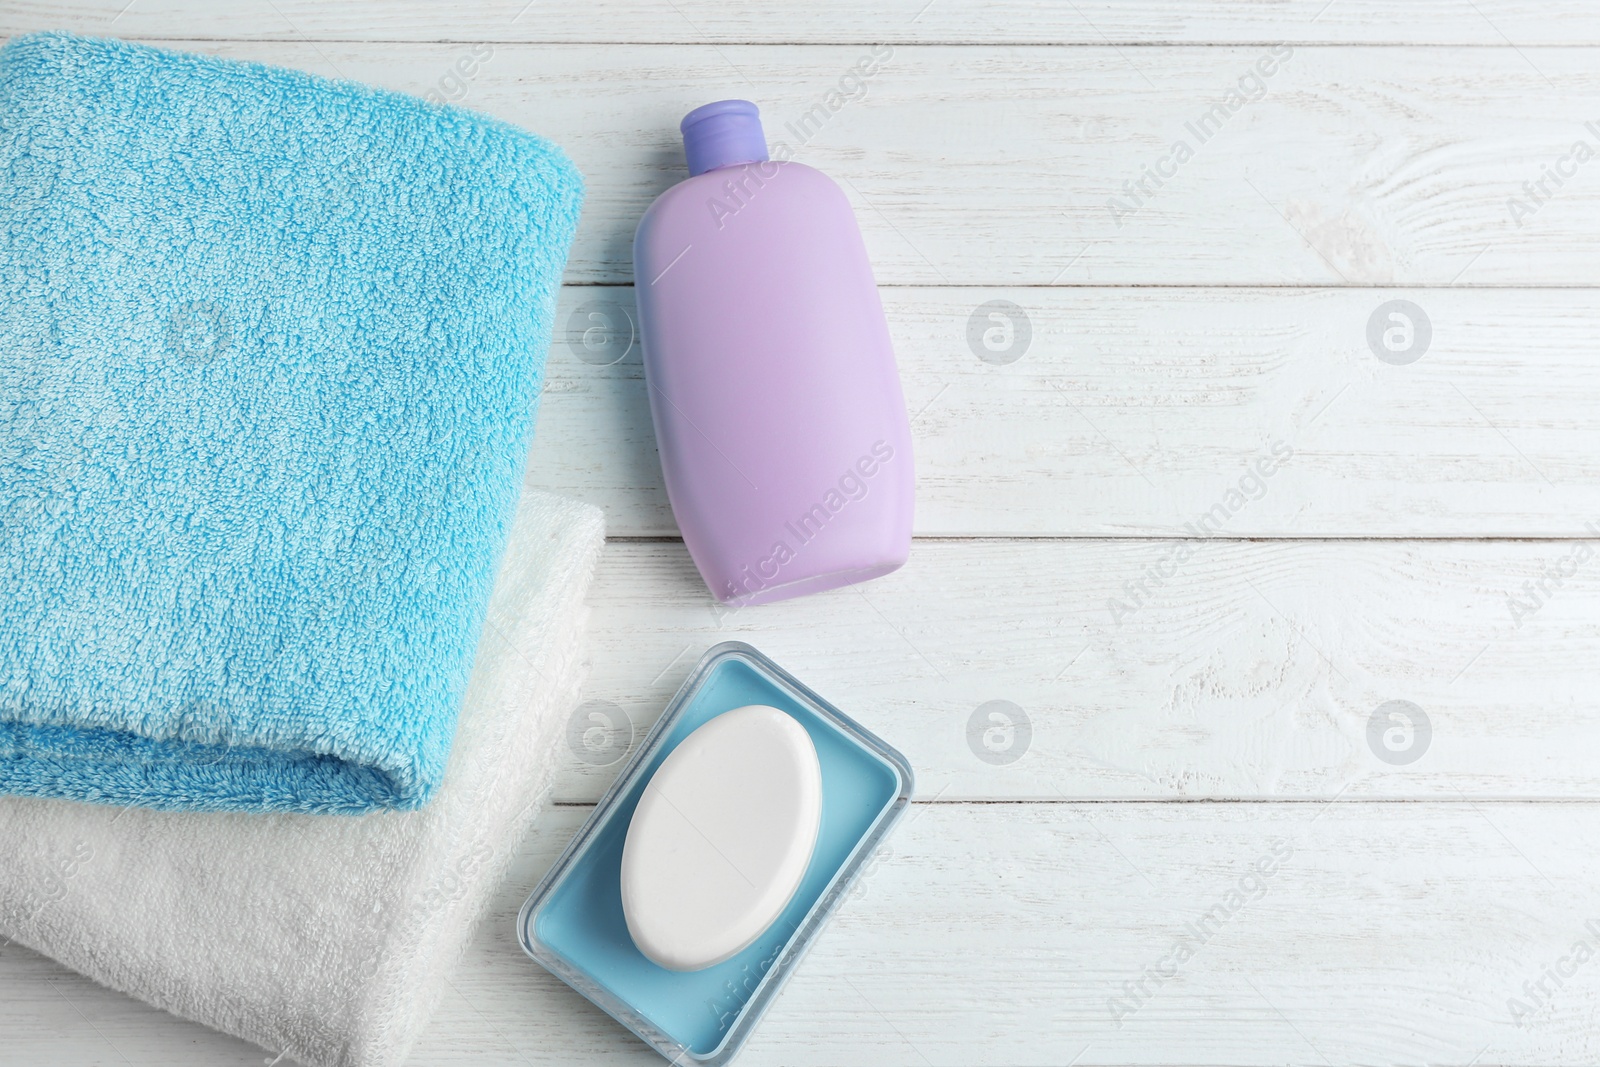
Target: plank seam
[(909, 42)]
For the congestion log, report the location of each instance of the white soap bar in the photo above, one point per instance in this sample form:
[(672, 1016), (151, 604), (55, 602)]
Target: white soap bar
[(721, 838)]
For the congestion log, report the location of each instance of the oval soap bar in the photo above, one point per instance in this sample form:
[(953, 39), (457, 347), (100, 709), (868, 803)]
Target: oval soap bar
[(721, 838)]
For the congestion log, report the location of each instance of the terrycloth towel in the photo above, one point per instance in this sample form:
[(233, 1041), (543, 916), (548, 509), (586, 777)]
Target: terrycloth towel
[(326, 938), (269, 352)]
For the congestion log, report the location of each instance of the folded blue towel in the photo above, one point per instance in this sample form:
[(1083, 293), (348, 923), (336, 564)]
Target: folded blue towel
[(270, 347)]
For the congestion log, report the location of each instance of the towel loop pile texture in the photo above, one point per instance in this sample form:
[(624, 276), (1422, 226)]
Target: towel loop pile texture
[(327, 938), (270, 347)]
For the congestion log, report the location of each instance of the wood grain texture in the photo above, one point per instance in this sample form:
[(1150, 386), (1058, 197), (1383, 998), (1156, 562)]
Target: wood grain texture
[(997, 166), (1171, 348), (1093, 22), (1009, 934), (1132, 412), (1251, 669)]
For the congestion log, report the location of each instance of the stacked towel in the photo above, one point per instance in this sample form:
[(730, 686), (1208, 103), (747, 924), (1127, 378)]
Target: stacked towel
[(269, 352), (325, 938)]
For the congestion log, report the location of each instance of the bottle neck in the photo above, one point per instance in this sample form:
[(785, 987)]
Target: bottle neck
[(726, 133)]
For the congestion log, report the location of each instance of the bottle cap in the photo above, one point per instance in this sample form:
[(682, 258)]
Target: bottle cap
[(723, 134)]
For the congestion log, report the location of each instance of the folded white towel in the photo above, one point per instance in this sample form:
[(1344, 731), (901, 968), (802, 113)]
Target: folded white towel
[(328, 938)]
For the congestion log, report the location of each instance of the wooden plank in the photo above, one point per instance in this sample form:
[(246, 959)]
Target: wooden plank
[(1009, 933), (1004, 166), (1005, 933), (1132, 412), (834, 21), (1252, 669)]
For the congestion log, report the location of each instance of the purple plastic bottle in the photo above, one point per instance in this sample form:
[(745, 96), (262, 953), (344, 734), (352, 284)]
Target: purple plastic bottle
[(777, 406)]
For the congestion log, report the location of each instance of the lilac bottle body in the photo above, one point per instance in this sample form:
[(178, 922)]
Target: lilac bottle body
[(777, 406)]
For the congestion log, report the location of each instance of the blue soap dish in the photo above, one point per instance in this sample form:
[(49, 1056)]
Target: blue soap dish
[(572, 924)]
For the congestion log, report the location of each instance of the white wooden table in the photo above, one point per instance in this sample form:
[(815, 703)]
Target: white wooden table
[(1344, 281)]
